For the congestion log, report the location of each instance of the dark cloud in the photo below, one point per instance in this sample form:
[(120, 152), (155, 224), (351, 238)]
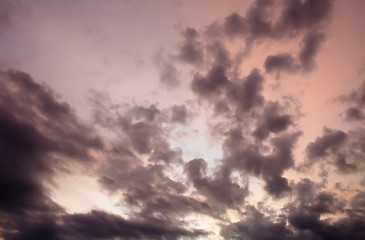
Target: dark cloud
[(345, 151), (305, 61), (330, 141), (356, 101), (219, 54), (221, 107), (272, 121), (102, 225), (212, 85), (343, 165), (179, 114), (235, 25), (216, 87), (8, 10), (191, 49), (39, 135), (295, 17), (220, 188), (326, 202), (302, 220), (141, 130), (146, 180), (141, 135), (254, 25), (305, 213), (151, 191), (310, 47), (149, 114), (256, 226), (354, 113), (248, 94), (356, 96), (280, 62), (277, 186), (302, 15), (247, 157)]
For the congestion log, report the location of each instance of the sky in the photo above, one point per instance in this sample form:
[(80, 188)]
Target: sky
[(182, 119)]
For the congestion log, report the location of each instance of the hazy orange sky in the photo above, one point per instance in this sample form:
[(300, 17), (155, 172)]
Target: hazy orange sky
[(178, 119)]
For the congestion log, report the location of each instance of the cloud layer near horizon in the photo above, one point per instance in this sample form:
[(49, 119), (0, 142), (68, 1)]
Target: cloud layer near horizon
[(133, 150)]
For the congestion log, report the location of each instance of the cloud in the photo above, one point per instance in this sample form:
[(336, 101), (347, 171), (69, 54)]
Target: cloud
[(330, 141), (102, 225), (220, 188), (98, 225), (190, 50), (303, 15), (179, 114), (294, 18), (216, 87), (340, 149), (212, 85), (272, 121), (39, 135), (355, 102), (304, 214), (8, 10), (354, 113), (247, 95), (256, 226), (132, 152), (244, 156), (302, 218), (280, 62), (254, 25), (305, 61), (310, 46), (148, 182), (42, 136)]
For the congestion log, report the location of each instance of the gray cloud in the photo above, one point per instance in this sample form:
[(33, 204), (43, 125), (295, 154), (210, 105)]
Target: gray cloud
[(212, 85), (310, 46), (39, 135), (219, 188), (354, 113), (179, 114), (340, 149), (191, 50), (355, 102), (330, 141), (280, 62)]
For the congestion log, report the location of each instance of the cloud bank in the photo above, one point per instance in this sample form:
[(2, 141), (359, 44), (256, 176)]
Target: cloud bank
[(132, 152)]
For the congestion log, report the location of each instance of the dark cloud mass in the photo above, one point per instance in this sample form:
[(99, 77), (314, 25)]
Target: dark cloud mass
[(330, 141), (190, 51), (283, 61), (39, 135), (257, 187), (343, 150), (310, 45), (354, 113), (356, 99)]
